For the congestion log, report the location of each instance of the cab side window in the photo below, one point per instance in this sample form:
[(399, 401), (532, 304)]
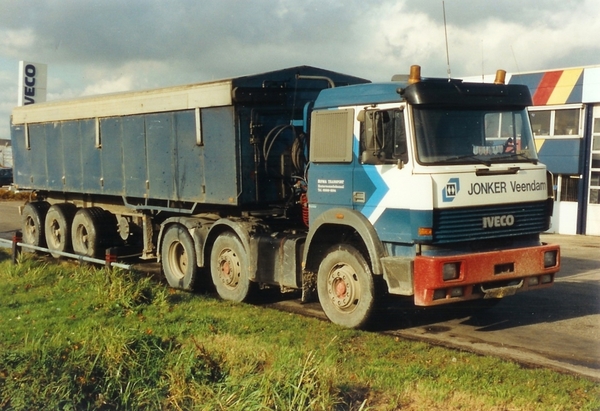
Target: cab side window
[(383, 137)]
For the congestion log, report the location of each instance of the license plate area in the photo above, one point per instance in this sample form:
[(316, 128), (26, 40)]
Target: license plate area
[(502, 291)]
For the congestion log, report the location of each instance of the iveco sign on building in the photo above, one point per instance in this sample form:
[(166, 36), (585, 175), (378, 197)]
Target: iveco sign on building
[(32, 83)]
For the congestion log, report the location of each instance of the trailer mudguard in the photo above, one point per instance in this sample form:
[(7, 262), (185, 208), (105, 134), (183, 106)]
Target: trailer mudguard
[(320, 237)]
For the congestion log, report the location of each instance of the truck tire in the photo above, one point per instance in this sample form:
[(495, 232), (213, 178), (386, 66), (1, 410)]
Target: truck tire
[(178, 258), (88, 232), (229, 269), (33, 218), (346, 288), (57, 227)]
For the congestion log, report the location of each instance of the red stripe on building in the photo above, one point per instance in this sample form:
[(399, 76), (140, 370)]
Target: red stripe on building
[(546, 87)]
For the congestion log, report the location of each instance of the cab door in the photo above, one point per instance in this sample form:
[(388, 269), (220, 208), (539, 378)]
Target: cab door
[(383, 154)]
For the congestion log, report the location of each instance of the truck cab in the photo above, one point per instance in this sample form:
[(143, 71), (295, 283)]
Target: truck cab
[(434, 185)]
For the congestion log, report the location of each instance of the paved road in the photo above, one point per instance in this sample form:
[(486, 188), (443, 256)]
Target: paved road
[(10, 220), (557, 327)]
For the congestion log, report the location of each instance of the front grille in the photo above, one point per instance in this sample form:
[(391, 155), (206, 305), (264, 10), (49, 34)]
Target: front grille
[(467, 224)]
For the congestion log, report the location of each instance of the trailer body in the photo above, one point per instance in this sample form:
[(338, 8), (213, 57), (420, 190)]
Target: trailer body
[(303, 179), (191, 144)]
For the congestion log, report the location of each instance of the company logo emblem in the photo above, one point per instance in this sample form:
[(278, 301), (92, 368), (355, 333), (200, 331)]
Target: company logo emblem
[(451, 190), (497, 221)]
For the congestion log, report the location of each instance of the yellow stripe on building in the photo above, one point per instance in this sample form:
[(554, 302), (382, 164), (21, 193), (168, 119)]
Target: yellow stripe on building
[(565, 86), (539, 142)]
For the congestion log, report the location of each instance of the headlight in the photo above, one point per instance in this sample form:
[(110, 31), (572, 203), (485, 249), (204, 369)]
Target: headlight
[(451, 271), (550, 259)]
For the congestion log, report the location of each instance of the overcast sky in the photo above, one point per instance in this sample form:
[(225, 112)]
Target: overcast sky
[(102, 46)]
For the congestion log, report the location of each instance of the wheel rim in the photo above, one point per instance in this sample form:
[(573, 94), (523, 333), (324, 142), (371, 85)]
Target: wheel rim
[(56, 234), (82, 237), (30, 230), (229, 268), (178, 259), (343, 287)]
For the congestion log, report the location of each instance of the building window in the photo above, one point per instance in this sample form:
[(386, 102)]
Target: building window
[(595, 196), (556, 122), (568, 188), (596, 141), (595, 179), (540, 122), (566, 122)]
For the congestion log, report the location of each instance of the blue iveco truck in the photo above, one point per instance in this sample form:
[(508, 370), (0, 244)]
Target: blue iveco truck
[(302, 179)]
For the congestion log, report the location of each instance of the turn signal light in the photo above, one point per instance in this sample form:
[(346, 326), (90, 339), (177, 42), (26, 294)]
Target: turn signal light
[(425, 231)]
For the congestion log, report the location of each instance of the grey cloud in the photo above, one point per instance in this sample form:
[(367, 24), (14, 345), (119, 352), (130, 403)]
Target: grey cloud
[(116, 31), (465, 13)]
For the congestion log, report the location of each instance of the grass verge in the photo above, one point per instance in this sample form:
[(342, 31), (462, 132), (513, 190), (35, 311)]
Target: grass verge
[(77, 337)]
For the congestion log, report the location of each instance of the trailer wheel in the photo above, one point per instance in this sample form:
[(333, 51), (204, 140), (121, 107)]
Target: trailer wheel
[(33, 217), (229, 269), (346, 288), (87, 232), (57, 227), (178, 258)]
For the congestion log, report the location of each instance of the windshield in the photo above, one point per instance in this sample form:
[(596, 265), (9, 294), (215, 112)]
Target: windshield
[(472, 136)]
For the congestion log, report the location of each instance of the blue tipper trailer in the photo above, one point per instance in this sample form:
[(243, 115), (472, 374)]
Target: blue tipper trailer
[(191, 145)]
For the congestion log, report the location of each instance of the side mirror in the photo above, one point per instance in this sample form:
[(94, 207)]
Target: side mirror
[(361, 116), (370, 157), (374, 158)]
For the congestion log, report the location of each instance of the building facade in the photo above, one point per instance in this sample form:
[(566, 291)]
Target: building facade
[(565, 118)]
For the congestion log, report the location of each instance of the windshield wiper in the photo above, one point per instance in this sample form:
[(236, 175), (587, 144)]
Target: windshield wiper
[(469, 157), (519, 156)]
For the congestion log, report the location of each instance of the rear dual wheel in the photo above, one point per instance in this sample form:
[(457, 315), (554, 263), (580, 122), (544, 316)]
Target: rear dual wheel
[(228, 263), (33, 218), (229, 269), (178, 257), (93, 230), (57, 227), (60, 227)]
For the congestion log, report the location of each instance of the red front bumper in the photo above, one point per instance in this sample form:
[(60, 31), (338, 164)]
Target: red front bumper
[(491, 274)]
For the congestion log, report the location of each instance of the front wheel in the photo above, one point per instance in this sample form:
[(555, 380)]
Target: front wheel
[(346, 288)]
